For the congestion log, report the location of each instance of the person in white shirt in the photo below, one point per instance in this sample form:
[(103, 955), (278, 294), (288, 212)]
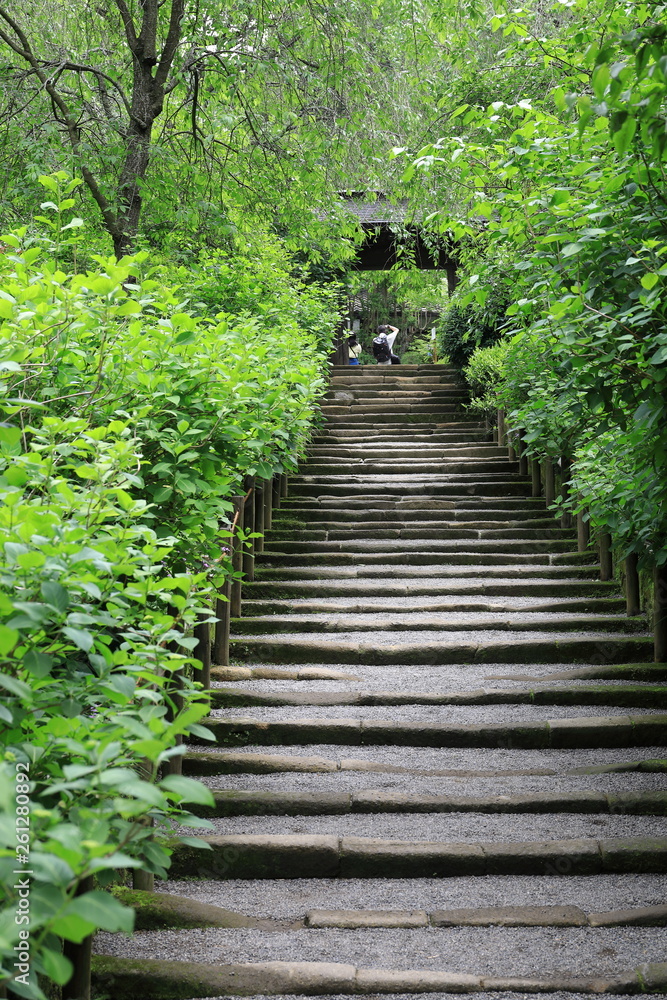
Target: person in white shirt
[(383, 343), (354, 349)]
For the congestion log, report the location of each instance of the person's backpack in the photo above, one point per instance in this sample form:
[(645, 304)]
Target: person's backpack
[(395, 360), (381, 348)]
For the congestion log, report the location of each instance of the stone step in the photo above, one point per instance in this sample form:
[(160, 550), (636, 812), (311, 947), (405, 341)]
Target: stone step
[(434, 648), (395, 452), (328, 856), (154, 979), (459, 505), (429, 769), (418, 531), (525, 620), (374, 605), (366, 488), (328, 519), (599, 731), (426, 563), (376, 436), (620, 695), (296, 588), (237, 802), (416, 545), (396, 467)]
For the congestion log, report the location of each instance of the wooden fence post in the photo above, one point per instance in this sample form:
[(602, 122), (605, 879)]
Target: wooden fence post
[(259, 515), (203, 652), (268, 503), (277, 491), (237, 559), (249, 526), (536, 479), (583, 533), (220, 654), (549, 482), (660, 614), (632, 597), (606, 566), (80, 955), (565, 467), (284, 485), (523, 458), (501, 428)]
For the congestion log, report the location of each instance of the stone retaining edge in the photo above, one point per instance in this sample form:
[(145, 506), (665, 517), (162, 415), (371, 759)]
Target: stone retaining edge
[(287, 856), (593, 731), (126, 979), (262, 803)]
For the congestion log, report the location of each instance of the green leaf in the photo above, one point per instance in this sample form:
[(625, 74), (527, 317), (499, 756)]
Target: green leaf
[(81, 639), (56, 966), (650, 280), (189, 789), (8, 639), (38, 664), (55, 595), (104, 911)]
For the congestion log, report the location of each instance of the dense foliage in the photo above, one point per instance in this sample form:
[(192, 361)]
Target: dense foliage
[(132, 409), (566, 194)]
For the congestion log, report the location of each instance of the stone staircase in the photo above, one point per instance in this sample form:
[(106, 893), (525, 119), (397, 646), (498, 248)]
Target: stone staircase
[(440, 767)]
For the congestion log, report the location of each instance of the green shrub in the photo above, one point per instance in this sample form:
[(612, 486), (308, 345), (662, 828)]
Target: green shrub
[(485, 375)]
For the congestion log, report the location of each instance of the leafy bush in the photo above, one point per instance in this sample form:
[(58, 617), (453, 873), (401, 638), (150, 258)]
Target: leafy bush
[(129, 417), (485, 374)]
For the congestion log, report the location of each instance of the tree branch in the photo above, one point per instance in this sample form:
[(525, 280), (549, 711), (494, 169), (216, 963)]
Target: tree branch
[(172, 40), (128, 24), (66, 117)]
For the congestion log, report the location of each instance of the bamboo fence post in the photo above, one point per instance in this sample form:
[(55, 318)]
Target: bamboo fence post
[(660, 614), (632, 597), (606, 566)]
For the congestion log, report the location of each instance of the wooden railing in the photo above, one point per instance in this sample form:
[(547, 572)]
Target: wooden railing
[(551, 480)]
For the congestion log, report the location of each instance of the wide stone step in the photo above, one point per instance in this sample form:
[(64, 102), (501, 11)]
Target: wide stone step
[(395, 467), (415, 545), (237, 802), (452, 647), (367, 487), (420, 621), (353, 587), (423, 531), (594, 731), (627, 695), (328, 519), (154, 979), (393, 606), (325, 856)]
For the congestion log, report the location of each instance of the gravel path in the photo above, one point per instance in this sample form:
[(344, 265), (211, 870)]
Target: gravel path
[(450, 827), (415, 714), (485, 950)]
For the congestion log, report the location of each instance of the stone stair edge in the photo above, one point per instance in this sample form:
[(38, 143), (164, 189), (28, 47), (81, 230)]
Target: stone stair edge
[(171, 980)]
